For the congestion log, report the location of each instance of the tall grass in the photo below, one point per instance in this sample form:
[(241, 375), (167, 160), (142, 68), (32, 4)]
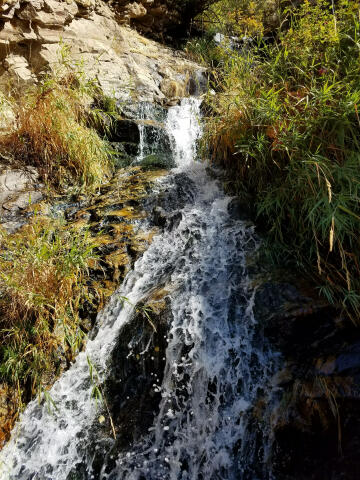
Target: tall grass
[(43, 282), (286, 125), (54, 134)]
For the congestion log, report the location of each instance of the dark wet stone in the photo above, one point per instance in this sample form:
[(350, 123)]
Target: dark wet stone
[(239, 209), (158, 217), (160, 160), (137, 363), (123, 153), (349, 360), (175, 196), (318, 391), (125, 131)]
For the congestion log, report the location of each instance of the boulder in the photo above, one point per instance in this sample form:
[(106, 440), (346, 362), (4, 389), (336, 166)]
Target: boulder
[(18, 190), (135, 10)]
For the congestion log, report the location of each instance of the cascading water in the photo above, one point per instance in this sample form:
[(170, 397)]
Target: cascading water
[(216, 363), (152, 141), (145, 113)]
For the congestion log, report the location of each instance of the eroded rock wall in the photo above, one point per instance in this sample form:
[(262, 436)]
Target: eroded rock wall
[(94, 36)]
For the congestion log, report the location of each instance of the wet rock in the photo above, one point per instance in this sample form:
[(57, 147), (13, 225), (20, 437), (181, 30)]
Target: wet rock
[(126, 131), (159, 217), (137, 368), (158, 161), (174, 198), (117, 218), (131, 391), (315, 417)]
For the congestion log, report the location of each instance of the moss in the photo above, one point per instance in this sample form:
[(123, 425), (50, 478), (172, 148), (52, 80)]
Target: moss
[(157, 161)]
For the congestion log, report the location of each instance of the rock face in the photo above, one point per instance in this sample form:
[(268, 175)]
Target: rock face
[(7, 115), (18, 190), (160, 18), (91, 35), (315, 416)]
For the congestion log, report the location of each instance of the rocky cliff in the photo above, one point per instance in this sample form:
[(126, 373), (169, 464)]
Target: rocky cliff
[(95, 36)]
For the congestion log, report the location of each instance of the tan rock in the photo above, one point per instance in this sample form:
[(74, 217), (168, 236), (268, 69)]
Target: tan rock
[(7, 9), (7, 115), (135, 10), (18, 190), (86, 3), (11, 32), (22, 200), (54, 14), (30, 11), (124, 63), (48, 35), (18, 69), (172, 89), (13, 181)]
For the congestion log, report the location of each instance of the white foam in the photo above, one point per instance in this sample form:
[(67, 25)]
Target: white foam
[(213, 370)]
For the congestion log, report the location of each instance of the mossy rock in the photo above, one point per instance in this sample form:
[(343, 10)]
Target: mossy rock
[(158, 160)]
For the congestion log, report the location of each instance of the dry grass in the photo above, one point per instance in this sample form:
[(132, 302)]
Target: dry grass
[(42, 283), (53, 135), (286, 127)]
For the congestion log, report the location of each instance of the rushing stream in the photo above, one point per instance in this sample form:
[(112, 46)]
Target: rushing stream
[(215, 367)]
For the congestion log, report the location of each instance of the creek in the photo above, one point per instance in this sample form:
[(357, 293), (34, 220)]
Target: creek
[(211, 364)]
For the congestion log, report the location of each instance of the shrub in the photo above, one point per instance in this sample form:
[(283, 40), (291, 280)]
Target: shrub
[(239, 17), (53, 134), (286, 125), (43, 271)]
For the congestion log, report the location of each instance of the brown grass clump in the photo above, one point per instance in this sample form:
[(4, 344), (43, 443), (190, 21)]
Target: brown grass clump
[(43, 272), (53, 135)]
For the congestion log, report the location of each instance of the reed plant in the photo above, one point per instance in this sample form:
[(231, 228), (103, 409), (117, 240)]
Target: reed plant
[(55, 133), (43, 283), (286, 126)]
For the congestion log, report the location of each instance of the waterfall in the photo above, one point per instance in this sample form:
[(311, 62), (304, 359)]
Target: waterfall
[(145, 113), (184, 128), (216, 364)]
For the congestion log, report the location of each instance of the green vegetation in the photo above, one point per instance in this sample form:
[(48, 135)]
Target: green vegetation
[(54, 133), (231, 18), (43, 284), (285, 124), (44, 267), (238, 17)]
